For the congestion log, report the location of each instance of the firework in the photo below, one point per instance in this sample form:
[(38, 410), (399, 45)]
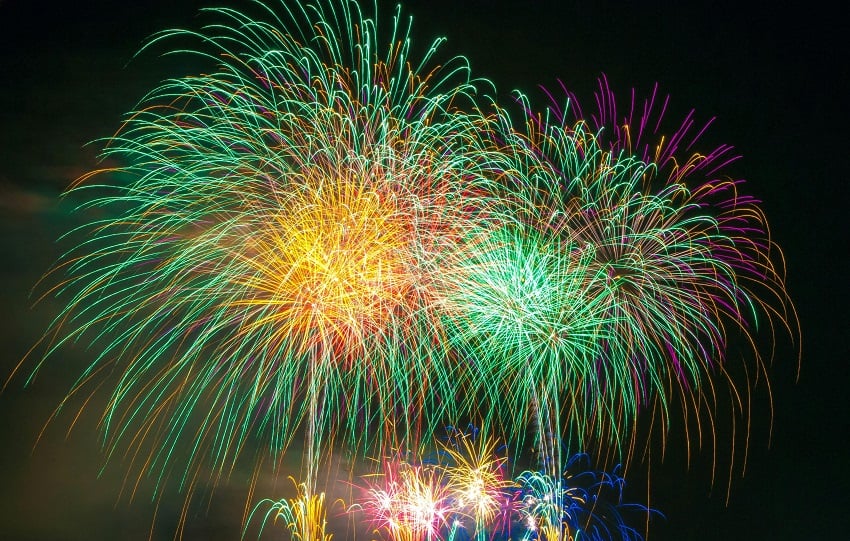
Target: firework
[(261, 264), (520, 306), (305, 515), (458, 490), (464, 492), (616, 277), (478, 484), (408, 501), (322, 235), (580, 504)]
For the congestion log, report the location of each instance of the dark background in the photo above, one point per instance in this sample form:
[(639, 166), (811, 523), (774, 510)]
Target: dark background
[(775, 78)]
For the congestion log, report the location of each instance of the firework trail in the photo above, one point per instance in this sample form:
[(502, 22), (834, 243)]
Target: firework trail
[(262, 263)]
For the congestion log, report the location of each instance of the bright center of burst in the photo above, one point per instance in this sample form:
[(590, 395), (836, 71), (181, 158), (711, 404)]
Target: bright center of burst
[(332, 265)]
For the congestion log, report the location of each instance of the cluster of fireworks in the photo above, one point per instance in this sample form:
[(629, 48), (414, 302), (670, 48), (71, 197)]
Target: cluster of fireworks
[(464, 492), (329, 236)]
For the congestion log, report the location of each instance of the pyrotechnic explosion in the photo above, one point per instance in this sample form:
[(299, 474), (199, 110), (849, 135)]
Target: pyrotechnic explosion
[(325, 236), (621, 268), (463, 492), (305, 515), (262, 263), (578, 504)]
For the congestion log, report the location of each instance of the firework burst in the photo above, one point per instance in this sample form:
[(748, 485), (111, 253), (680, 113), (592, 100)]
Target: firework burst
[(260, 266), (464, 492), (579, 504), (305, 515), (323, 236), (676, 265), (408, 501), (478, 483), (522, 312)]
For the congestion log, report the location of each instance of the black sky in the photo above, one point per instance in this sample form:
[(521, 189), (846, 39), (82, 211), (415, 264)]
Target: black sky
[(775, 78)]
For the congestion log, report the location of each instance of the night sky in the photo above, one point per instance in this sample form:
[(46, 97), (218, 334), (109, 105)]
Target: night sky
[(775, 79)]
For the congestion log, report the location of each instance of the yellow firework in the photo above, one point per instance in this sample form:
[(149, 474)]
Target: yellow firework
[(333, 267), (305, 515), (476, 478)]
